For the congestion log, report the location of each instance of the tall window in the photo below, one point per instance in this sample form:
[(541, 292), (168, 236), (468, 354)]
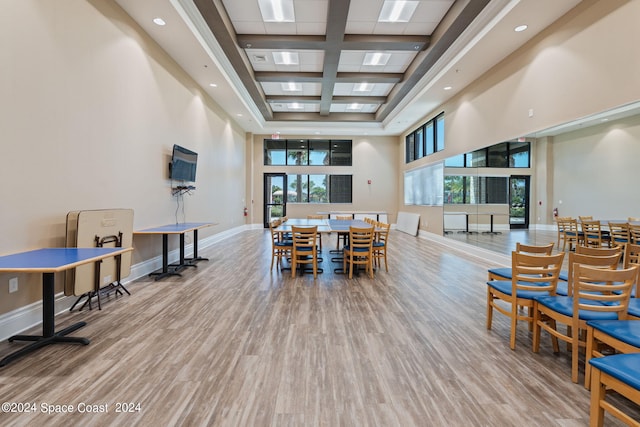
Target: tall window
[(512, 154), (425, 140)]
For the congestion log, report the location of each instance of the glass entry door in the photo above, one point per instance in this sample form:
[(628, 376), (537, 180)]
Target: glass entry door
[(519, 202), (275, 200)]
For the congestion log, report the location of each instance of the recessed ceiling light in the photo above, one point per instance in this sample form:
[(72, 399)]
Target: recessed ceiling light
[(295, 106), (285, 58), (448, 88), (363, 87), (213, 85), (355, 106), (376, 58), (159, 21), (520, 28), (277, 10), (239, 115), (397, 11), (291, 87)]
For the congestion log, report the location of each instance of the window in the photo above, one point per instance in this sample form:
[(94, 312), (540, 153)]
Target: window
[(476, 189), (319, 188), (424, 186), (426, 140), (305, 152)]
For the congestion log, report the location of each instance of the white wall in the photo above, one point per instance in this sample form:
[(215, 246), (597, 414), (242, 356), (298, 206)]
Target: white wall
[(90, 108)]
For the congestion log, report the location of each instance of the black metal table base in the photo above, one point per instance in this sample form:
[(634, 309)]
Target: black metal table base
[(40, 341)]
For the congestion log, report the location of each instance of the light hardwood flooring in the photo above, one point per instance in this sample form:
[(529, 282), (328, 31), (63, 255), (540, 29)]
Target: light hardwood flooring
[(234, 344)]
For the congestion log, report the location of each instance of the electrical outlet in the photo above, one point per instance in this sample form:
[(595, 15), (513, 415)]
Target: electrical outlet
[(13, 285)]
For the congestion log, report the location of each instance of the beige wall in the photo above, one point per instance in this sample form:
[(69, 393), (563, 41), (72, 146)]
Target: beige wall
[(90, 108), (596, 170), (374, 158), (580, 65)]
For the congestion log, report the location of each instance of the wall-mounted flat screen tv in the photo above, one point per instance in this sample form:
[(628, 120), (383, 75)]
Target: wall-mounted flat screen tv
[(183, 164)]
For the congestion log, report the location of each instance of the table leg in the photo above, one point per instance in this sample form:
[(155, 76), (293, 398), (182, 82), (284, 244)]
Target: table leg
[(165, 261), (196, 258), (49, 336)]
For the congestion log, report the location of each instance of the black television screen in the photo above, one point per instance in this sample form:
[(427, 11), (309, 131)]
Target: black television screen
[(183, 164)]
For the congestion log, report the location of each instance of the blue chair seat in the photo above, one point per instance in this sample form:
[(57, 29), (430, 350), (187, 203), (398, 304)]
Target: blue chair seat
[(623, 367), (564, 306), (504, 286), (634, 307), (564, 275), (378, 244), (348, 248), (507, 273), (562, 289), (627, 331)]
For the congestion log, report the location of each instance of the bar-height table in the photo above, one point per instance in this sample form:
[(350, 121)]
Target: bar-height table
[(48, 262), (180, 229)]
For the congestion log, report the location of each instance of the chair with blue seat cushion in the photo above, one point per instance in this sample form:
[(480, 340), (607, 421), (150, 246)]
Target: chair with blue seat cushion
[(359, 250), (619, 373), (621, 336), (532, 275), (504, 273), (305, 249), (597, 294), (572, 235), (594, 236), (381, 242), (280, 247), (618, 233)]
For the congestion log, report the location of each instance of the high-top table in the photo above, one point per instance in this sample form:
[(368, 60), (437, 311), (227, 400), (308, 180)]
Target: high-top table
[(180, 229), (48, 262)]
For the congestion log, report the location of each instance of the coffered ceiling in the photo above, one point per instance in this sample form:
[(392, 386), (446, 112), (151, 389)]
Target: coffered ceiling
[(338, 66)]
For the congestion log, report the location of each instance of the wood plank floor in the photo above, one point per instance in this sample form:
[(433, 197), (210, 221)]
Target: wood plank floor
[(232, 344)]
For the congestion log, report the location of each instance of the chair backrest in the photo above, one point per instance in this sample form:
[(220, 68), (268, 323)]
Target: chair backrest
[(631, 254), (587, 250), (315, 216), (633, 219), (619, 232), (533, 249), (605, 262), (535, 272), (360, 237), (275, 236), (592, 233), (634, 233), (603, 290), (304, 237), (344, 217), (585, 218), (561, 221), (382, 232)]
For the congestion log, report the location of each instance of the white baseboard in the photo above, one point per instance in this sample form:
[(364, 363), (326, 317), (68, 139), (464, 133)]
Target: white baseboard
[(27, 317)]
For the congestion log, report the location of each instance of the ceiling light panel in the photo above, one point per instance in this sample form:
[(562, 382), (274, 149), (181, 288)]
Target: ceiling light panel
[(291, 87), (285, 58), (376, 59), (277, 10), (397, 11), (275, 88), (349, 108)]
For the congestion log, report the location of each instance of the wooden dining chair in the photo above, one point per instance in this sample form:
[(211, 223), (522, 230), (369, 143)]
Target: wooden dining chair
[(634, 233), (359, 250), (319, 233), (593, 234), (620, 374), (572, 235), (619, 336), (597, 294), (561, 223), (532, 275), (381, 243), (305, 249), (505, 273), (342, 235), (618, 234), (280, 248)]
